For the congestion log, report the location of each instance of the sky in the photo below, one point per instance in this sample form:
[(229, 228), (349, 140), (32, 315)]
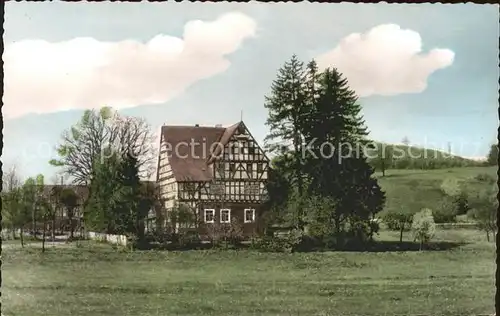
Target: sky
[(428, 72)]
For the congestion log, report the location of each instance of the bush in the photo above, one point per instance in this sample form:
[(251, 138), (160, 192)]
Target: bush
[(462, 203), (484, 210), (446, 212), (423, 226), (189, 239), (484, 177), (451, 187), (226, 233), (288, 242)]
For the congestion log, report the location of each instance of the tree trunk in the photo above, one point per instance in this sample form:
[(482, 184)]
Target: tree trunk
[(43, 234), (488, 236), (339, 237), (61, 221), (383, 168), (13, 233), (22, 238), (71, 225), (401, 233), (53, 227), (34, 222), (300, 184)]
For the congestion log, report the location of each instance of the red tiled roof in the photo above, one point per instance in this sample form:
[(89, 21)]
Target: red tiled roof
[(191, 148)]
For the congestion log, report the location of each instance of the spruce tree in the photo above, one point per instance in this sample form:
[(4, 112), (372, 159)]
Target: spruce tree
[(128, 211), (335, 161), (286, 105), (114, 205), (100, 207)]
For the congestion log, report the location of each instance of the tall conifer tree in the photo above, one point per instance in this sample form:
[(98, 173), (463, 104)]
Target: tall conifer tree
[(286, 105), (336, 164)]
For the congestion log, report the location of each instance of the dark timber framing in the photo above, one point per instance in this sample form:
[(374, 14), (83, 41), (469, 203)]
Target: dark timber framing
[(227, 169)]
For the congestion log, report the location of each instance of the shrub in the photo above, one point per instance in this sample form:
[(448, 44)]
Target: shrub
[(451, 187), (189, 239), (156, 236), (446, 211), (423, 226), (226, 233), (462, 203), (181, 217), (484, 177), (288, 242), (484, 210)]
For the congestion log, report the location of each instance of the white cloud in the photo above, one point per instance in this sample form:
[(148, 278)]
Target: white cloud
[(386, 60), (82, 73)]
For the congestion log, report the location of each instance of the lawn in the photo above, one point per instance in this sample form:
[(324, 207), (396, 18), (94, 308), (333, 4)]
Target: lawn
[(96, 279)]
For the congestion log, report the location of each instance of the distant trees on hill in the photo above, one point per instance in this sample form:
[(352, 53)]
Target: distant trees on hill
[(388, 156)]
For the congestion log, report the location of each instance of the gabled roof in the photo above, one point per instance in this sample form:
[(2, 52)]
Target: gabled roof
[(191, 149)]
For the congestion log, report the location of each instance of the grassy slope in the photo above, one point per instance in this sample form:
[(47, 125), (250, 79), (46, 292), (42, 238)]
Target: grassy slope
[(421, 188), (100, 281)]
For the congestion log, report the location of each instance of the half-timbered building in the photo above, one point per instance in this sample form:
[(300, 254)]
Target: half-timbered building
[(220, 173)]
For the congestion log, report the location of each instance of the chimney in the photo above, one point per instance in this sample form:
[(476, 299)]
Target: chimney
[(196, 125)]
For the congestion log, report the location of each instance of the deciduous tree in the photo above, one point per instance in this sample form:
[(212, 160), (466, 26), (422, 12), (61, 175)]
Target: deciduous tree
[(11, 184), (383, 159), (492, 158), (399, 219), (97, 131), (423, 226), (484, 209), (69, 200)]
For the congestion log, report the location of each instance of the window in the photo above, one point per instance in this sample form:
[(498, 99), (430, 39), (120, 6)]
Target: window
[(225, 215), (251, 149), (260, 167), (249, 215), (232, 167), (235, 147), (209, 215), (251, 188), (249, 169), (217, 188), (220, 168)]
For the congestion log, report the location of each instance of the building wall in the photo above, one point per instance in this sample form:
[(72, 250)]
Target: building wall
[(240, 173), (243, 168), (167, 184), (237, 211)]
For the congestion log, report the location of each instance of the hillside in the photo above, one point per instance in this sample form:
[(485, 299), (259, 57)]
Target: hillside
[(412, 157), (416, 189)]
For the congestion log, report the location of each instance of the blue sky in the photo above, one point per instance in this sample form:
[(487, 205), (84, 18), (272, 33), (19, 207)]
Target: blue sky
[(450, 95)]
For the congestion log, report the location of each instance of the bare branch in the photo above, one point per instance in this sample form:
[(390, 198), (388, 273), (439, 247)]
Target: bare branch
[(11, 179), (83, 144)]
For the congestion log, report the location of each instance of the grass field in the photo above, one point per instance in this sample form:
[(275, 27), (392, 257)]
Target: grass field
[(96, 279), (417, 189)]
